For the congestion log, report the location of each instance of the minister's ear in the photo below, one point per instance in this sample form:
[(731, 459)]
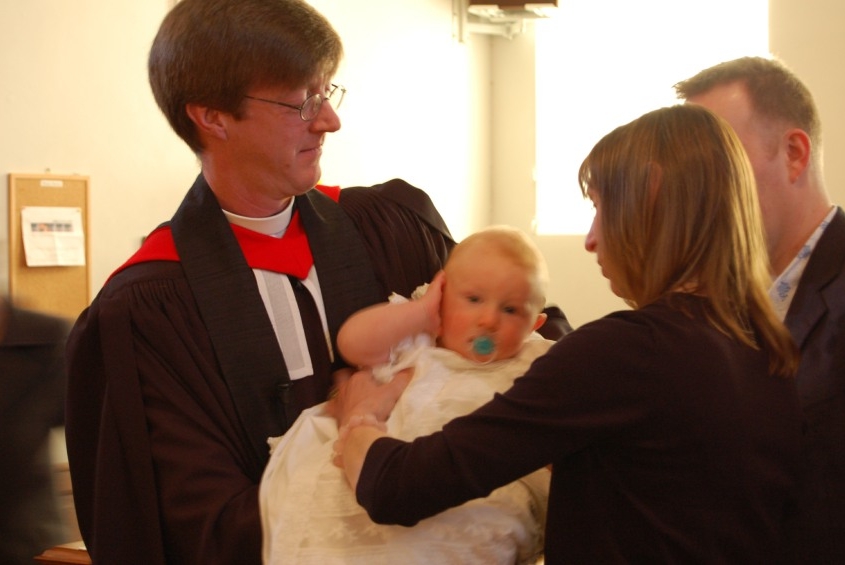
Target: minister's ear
[(211, 123)]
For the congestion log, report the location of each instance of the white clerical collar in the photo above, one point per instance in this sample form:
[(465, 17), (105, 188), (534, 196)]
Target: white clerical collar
[(274, 225)]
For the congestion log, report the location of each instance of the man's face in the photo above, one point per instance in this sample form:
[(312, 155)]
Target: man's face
[(276, 152), (760, 140)]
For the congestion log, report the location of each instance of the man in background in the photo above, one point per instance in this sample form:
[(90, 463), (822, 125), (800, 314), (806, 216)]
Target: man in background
[(776, 119), (32, 395)]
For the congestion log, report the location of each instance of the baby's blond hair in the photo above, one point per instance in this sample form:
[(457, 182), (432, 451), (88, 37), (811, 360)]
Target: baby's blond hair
[(516, 246)]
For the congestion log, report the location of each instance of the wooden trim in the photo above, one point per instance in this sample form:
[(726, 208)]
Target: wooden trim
[(65, 554)]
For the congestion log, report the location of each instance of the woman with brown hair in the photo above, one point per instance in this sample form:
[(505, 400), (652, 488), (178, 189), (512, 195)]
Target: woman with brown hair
[(672, 429)]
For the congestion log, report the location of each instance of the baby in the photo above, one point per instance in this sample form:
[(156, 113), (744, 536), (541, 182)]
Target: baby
[(467, 336)]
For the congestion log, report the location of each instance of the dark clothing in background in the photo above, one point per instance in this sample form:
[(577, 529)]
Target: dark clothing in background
[(816, 318), (32, 395)]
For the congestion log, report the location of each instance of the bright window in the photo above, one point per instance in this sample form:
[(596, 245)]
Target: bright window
[(602, 63)]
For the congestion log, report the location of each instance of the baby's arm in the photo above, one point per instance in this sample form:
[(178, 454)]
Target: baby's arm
[(365, 339)]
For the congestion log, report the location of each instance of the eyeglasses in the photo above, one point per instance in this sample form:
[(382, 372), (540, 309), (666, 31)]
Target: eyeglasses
[(309, 109)]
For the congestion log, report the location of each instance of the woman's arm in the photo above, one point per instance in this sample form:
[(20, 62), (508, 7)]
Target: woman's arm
[(366, 338), (360, 406), (353, 442)]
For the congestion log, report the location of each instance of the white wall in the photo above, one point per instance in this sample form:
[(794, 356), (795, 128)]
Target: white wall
[(809, 37), (418, 105), (74, 99), (576, 282)]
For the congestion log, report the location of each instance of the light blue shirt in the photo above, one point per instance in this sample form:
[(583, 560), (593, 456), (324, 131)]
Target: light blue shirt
[(783, 288)]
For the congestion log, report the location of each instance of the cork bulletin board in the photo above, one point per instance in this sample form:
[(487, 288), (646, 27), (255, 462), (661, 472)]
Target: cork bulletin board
[(58, 289)]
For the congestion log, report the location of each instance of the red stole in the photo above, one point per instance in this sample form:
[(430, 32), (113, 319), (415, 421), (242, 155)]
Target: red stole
[(289, 254)]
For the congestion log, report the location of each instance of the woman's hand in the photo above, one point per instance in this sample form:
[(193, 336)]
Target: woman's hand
[(361, 406)]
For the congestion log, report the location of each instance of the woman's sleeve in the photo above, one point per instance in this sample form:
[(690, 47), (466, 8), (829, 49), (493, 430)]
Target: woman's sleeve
[(579, 393)]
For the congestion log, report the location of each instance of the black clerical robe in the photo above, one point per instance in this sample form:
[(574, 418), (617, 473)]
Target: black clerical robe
[(176, 378)]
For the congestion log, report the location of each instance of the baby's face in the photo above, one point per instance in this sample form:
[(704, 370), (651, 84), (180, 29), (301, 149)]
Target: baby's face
[(486, 295)]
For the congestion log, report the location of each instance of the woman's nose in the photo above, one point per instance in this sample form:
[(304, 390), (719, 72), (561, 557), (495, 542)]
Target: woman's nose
[(590, 241)]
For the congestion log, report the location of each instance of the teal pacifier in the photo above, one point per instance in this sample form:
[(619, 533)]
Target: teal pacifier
[(483, 345)]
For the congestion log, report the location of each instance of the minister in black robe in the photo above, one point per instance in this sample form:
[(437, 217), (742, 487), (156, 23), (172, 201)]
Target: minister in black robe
[(177, 380), (177, 372)]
